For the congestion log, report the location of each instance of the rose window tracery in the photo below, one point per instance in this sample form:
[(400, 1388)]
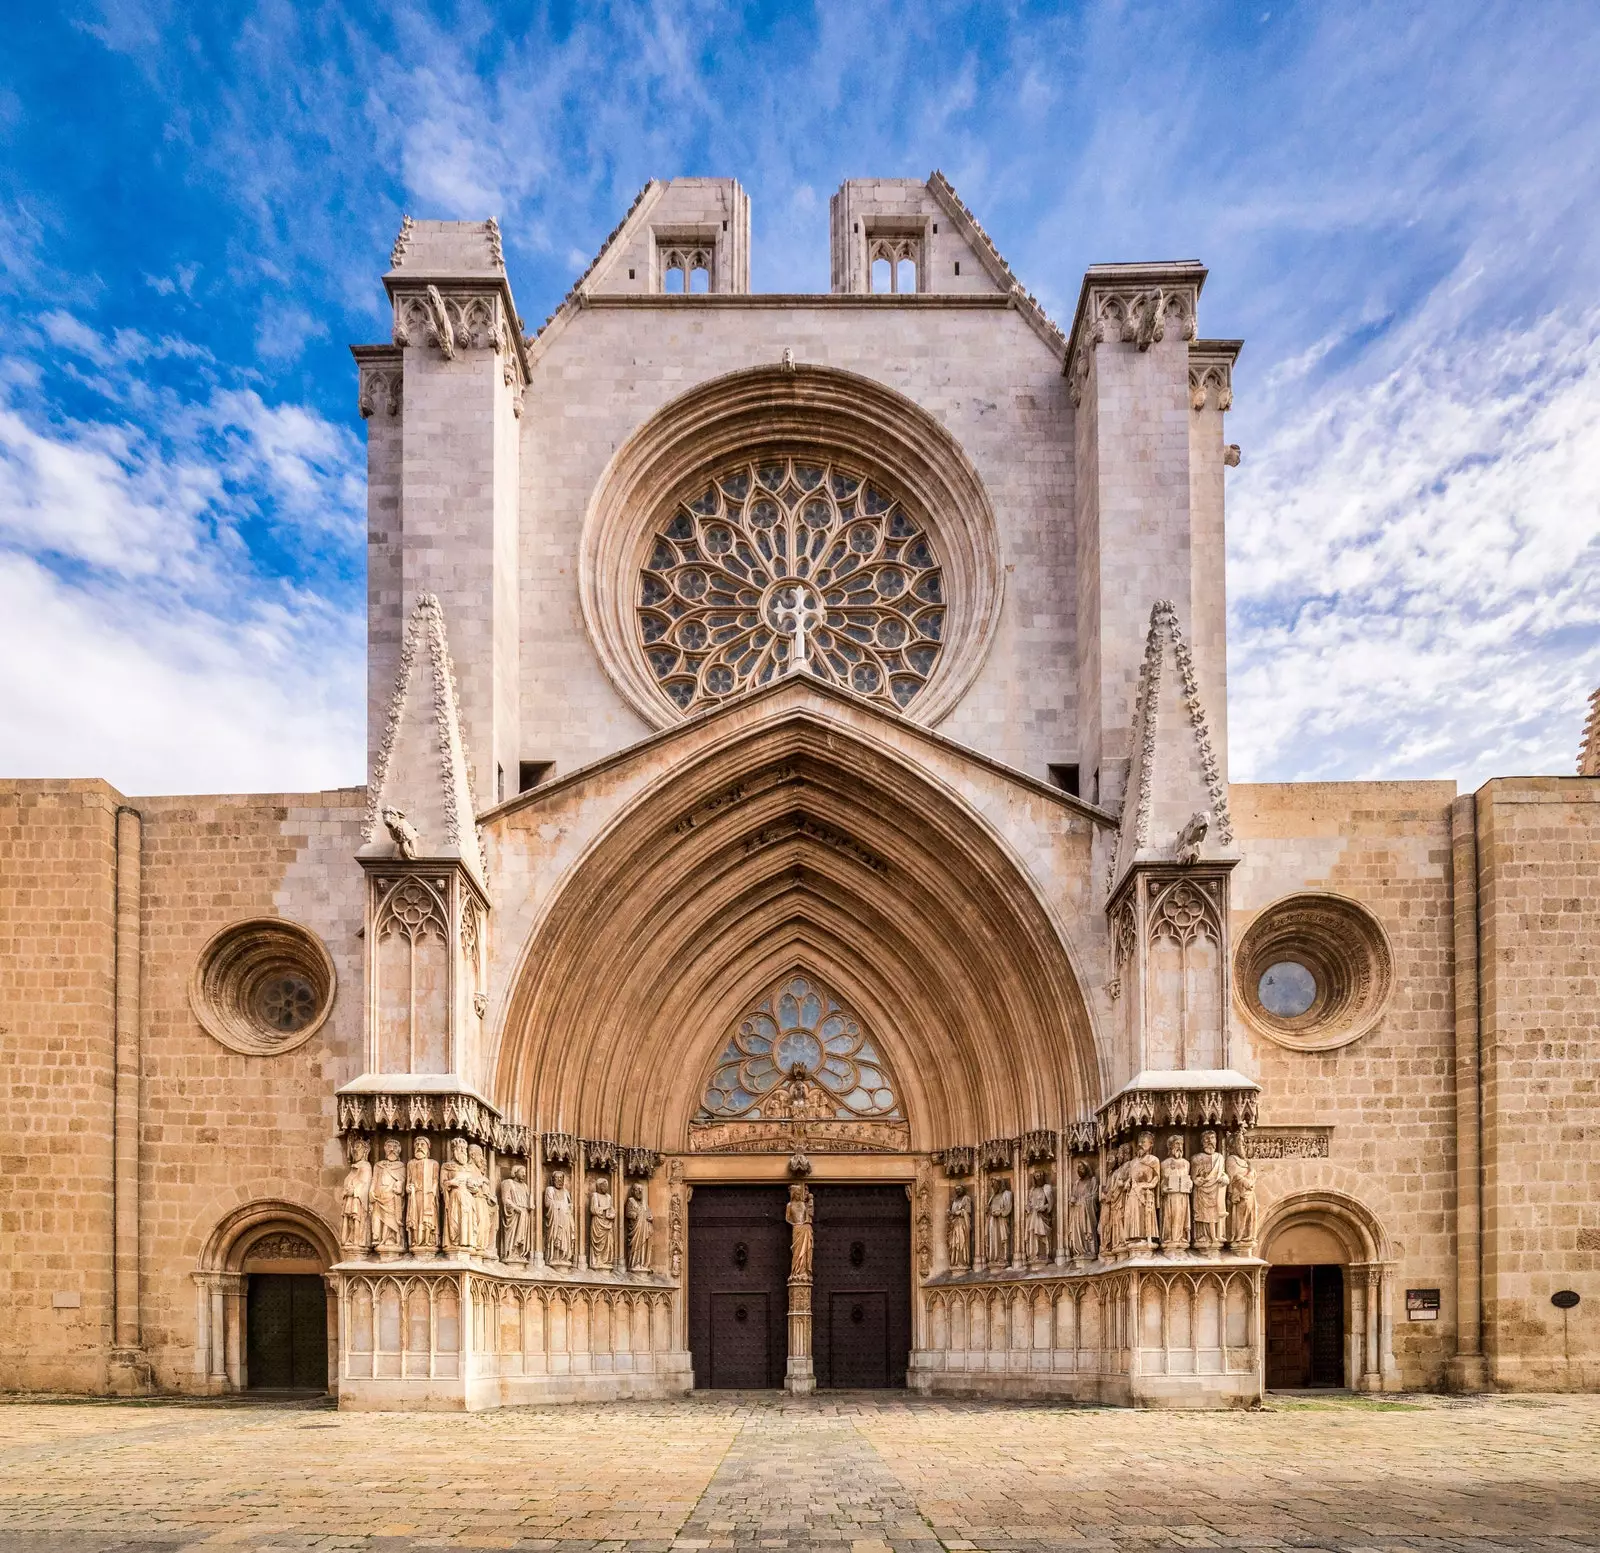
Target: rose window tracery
[(800, 1054), (784, 562)]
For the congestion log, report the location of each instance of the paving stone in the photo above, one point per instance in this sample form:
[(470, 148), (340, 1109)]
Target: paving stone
[(832, 1474)]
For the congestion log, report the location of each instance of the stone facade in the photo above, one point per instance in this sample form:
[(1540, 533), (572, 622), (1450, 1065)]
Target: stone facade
[(797, 754)]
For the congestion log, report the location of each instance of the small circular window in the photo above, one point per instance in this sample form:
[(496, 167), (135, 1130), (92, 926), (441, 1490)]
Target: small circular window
[(1314, 972), (286, 1003), (1287, 989), (263, 986)]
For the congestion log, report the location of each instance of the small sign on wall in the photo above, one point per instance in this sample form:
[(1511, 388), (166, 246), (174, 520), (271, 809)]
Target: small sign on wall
[(1422, 1304)]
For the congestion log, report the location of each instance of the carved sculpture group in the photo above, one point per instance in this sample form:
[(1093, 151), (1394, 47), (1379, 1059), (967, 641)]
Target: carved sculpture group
[(1199, 1203), (423, 1208)]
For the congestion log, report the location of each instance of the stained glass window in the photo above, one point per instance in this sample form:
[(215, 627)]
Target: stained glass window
[(801, 1053), (780, 558)]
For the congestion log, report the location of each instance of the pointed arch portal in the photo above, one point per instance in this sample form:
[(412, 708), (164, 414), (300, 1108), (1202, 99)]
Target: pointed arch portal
[(798, 847)]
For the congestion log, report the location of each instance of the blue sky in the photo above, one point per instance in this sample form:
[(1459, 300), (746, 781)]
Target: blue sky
[(1397, 202)]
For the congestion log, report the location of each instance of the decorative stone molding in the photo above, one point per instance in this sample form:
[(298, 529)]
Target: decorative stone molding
[(1221, 1100), (1589, 748), (1291, 1142), (811, 1137), (402, 242), (408, 1112), (1130, 304), (957, 1162), (1346, 951), (1211, 373), (803, 825), (816, 415), (380, 387), (282, 1246), (263, 986)]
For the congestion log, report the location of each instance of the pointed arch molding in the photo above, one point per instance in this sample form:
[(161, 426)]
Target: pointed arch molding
[(797, 846), (792, 410)]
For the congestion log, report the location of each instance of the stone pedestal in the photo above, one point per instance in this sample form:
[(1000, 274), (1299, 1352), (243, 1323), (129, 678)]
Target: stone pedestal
[(800, 1378)]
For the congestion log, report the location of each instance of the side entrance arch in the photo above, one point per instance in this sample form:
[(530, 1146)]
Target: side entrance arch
[(1329, 1290), (264, 1321)]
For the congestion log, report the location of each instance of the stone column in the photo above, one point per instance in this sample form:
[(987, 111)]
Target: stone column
[(799, 1375), (980, 1211), (1466, 1369), (1019, 1209), (536, 1185), (619, 1237), (580, 1209)]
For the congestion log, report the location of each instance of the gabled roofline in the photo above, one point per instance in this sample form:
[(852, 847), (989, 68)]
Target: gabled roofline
[(809, 684), (992, 260)]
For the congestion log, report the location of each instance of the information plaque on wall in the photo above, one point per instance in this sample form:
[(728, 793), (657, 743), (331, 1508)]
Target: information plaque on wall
[(1422, 1304)]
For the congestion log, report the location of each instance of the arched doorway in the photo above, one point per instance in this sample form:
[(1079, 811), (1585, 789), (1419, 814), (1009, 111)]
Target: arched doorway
[(264, 1318), (1328, 1289)]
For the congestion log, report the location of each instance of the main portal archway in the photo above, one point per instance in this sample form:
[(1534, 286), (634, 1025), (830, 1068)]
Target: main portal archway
[(798, 847)]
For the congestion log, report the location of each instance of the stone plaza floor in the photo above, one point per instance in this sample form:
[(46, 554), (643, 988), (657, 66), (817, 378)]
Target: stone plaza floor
[(844, 1472)]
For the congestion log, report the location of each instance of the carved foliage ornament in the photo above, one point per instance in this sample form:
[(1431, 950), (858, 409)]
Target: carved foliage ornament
[(781, 565)]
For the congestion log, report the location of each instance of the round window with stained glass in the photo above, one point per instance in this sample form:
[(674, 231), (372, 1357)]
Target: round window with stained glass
[(782, 564)]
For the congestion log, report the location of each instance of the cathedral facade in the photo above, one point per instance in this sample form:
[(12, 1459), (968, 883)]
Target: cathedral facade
[(798, 928)]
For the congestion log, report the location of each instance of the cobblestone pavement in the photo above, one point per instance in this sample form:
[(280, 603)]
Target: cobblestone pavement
[(842, 1473)]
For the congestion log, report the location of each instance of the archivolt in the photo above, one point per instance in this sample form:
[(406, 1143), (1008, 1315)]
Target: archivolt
[(802, 410), (797, 846)]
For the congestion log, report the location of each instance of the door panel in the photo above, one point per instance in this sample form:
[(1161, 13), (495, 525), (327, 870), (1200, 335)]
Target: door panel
[(1327, 1326), (863, 1263), (741, 1341), (286, 1332), (738, 1258), (1288, 1326)]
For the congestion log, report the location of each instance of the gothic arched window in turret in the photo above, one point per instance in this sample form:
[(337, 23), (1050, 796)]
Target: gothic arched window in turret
[(783, 564), (799, 1055)]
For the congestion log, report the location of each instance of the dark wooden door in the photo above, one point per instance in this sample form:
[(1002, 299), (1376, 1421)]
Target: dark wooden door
[(738, 1286), (1288, 1326), (1327, 1326), (1305, 1326), (286, 1332), (861, 1302)]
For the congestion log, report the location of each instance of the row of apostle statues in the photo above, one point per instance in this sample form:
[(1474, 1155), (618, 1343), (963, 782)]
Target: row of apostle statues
[(1180, 1203), (423, 1207)]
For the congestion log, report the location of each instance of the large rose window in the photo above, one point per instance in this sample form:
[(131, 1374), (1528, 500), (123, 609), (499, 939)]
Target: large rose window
[(783, 563)]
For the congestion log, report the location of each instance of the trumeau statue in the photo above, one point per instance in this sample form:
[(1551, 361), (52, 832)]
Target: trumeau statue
[(1041, 1217), (559, 1239), (355, 1229), (422, 1199), (484, 1212), (1141, 1220), (958, 1230), (1241, 1195), (460, 1203), (389, 1202), (516, 1204), (641, 1226), (1176, 1190), (997, 1246), (602, 1225), (800, 1212), (1082, 1211), (1208, 1170)]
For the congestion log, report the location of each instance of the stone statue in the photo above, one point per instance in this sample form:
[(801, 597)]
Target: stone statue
[(1140, 1219), (389, 1202), (1208, 1170), (1082, 1211), (800, 1212), (422, 1199), (516, 1215), (958, 1230), (403, 832), (997, 1246), (1241, 1195), (1114, 1202), (484, 1210), (1176, 1189), (641, 1227), (560, 1241), (460, 1204), (355, 1230), (1041, 1216), (602, 1225)]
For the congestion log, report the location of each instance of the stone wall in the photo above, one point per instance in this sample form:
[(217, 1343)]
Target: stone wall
[(57, 1048), (1539, 923), (1389, 1096)]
